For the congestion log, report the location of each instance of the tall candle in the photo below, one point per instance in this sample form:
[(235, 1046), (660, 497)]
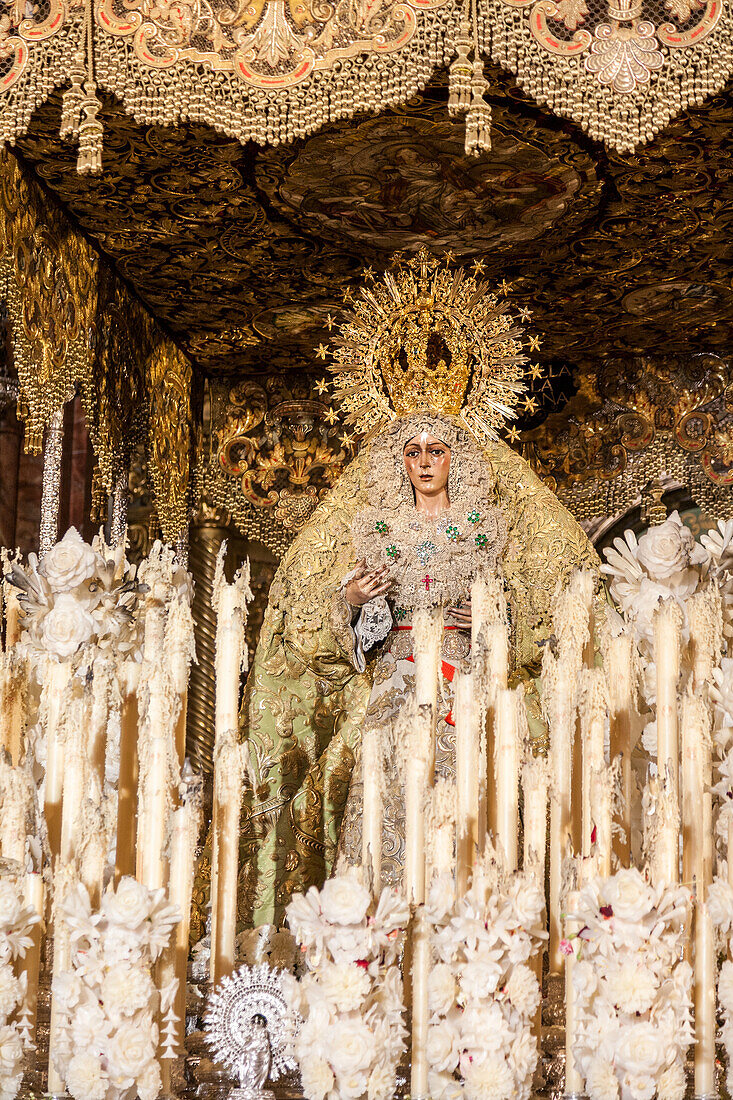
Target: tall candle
[(667, 630), (55, 698), (593, 706), (416, 729), (705, 973), (506, 769), (427, 639), (467, 780), (154, 752), (620, 661), (705, 619), (372, 780), (13, 689), (666, 845), (600, 799), (573, 1079), (33, 894), (13, 615), (441, 828), (64, 880), (420, 1013), (76, 776), (125, 854), (535, 786), (696, 779), (14, 805), (559, 689)]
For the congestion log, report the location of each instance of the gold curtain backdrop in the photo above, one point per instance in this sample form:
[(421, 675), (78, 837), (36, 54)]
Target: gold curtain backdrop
[(272, 71), (74, 327)]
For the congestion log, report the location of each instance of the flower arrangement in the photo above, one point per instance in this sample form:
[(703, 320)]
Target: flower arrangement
[(16, 923), (108, 1000), (481, 994), (350, 998), (79, 595), (632, 988)]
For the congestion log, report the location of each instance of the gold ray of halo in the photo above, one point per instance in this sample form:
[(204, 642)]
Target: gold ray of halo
[(382, 354)]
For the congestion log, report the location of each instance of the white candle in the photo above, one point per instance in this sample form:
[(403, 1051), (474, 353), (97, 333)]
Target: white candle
[(33, 894), (620, 660), (64, 881), (441, 828), (467, 780), (705, 975), (55, 698), (373, 781), (535, 785), (601, 799), (573, 1079), (76, 776), (506, 769), (13, 615), (427, 640), (230, 601), (667, 628), (593, 706), (696, 779), (705, 619), (154, 753), (420, 1013), (15, 803), (125, 854), (559, 691), (417, 730)]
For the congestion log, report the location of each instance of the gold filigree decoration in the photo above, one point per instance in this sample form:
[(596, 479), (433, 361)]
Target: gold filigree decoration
[(285, 456), (628, 429), (426, 336)]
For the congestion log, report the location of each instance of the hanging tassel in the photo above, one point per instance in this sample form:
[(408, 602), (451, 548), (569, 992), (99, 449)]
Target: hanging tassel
[(478, 119), (72, 100), (89, 161), (459, 74)]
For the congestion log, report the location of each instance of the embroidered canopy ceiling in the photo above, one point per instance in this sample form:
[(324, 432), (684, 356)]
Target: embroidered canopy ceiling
[(273, 70)]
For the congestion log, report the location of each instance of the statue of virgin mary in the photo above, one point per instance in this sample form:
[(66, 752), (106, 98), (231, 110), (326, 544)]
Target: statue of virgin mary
[(426, 367)]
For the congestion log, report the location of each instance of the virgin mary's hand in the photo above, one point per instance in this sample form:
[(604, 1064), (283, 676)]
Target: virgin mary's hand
[(461, 615), (367, 584)]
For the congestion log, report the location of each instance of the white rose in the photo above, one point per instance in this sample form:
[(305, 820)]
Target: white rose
[(523, 990), (528, 902), (665, 550), (489, 1079), (9, 989), (84, 1077), (725, 985), (344, 899), (442, 1047), (524, 1054), (631, 987), (601, 1082), (128, 905), (67, 989), (672, 1084), (120, 945), (352, 1048), (89, 1026), (444, 1086), (131, 1048), (344, 984), (11, 1051), (584, 980), (67, 626), (641, 1049), (126, 989), (381, 1084), (11, 905), (441, 989), (316, 1077), (149, 1082), (69, 563), (628, 895)]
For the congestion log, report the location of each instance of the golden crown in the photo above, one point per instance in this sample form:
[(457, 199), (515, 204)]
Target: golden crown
[(427, 336)]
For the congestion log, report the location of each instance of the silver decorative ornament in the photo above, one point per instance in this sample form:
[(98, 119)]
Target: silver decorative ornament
[(248, 1025)]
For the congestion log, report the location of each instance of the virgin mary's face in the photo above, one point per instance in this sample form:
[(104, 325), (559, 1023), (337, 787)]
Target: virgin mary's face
[(427, 461)]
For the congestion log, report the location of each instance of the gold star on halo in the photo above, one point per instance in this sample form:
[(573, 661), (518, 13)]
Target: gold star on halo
[(321, 386), (525, 314), (449, 256), (479, 267), (530, 404), (534, 343), (535, 370), (330, 417), (513, 435), (505, 287), (368, 273), (346, 439), (329, 322), (321, 351), (347, 295)]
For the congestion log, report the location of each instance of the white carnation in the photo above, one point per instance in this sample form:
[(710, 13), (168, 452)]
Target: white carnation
[(345, 899), (89, 1026), (10, 991), (149, 1082), (128, 905), (631, 987), (67, 990), (444, 1086), (601, 1082), (725, 986), (524, 1054), (316, 1077), (84, 1077), (381, 1083), (478, 978), (523, 990), (441, 989), (346, 985), (584, 980), (126, 989), (720, 904), (672, 1084), (442, 1047), (638, 1086), (69, 563), (11, 905), (11, 1051), (489, 1079)]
